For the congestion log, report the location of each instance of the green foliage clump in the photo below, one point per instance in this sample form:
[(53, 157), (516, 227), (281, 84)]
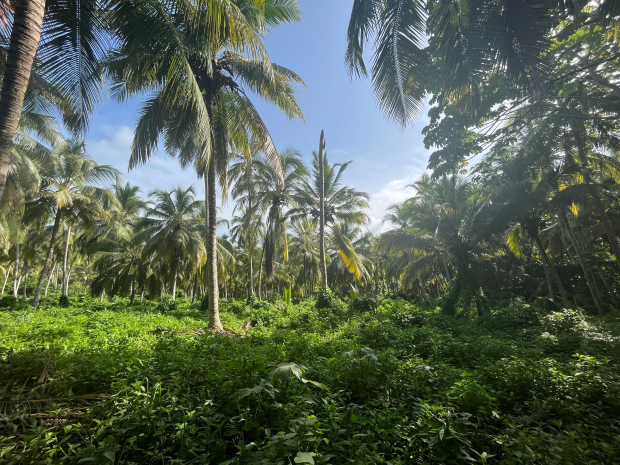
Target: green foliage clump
[(64, 302), (363, 305), (252, 299), (8, 301), (324, 298), (167, 304)]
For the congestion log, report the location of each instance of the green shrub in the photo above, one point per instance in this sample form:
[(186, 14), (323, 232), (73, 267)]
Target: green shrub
[(64, 302), (167, 304), (363, 305), (324, 298), (252, 299), (8, 301)]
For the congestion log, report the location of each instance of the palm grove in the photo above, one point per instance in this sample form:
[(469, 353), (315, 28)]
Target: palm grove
[(521, 198)]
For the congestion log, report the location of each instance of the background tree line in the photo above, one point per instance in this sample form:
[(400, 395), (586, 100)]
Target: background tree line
[(521, 198)]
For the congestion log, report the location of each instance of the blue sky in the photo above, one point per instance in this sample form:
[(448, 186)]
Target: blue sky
[(385, 158)]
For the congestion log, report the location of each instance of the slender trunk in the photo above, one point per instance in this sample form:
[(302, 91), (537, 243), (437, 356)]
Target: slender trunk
[(445, 265), (48, 259), (586, 271), (260, 274), (195, 287), (550, 271), (174, 280), (25, 35), (610, 289), (16, 272), (101, 297), (133, 291), (142, 296), (213, 289), (322, 212), (226, 289), (251, 272), (65, 286), (6, 278), (49, 279), (25, 291), (56, 279)]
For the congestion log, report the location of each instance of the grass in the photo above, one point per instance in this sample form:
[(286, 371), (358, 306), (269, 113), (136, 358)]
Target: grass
[(395, 383)]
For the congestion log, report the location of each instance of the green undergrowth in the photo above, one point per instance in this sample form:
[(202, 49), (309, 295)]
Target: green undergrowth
[(378, 382)]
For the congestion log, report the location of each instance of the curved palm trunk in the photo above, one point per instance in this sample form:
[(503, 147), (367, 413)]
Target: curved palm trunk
[(212, 285), (6, 278), (65, 280), (49, 279), (25, 35), (322, 212), (586, 271), (16, 272), (48, 260), (550, 271)]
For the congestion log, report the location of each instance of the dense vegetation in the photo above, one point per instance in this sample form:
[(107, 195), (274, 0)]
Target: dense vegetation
[(360, 382), (481, 327)]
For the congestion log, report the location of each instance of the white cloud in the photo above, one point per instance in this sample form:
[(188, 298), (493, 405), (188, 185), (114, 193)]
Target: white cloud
[(393, 192), (160, 172)]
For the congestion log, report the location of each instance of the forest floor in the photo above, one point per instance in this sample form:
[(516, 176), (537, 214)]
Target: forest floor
[(398, 383)]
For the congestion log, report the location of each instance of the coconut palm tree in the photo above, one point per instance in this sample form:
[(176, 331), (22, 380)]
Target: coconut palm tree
[(62, 43), (446, 47), (445, 226), (172, 227), (199, 83), (69, 188), (277, 198)]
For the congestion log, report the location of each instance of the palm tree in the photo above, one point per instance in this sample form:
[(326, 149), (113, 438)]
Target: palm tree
[(445, 47), (444, 226), (62, 43), (276, 198), (172, 227), (69, 189), (200, 105), (342, 205), (321, 188)]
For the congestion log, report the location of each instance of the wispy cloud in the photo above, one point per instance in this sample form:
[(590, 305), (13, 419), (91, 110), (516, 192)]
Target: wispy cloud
[(392, 193)]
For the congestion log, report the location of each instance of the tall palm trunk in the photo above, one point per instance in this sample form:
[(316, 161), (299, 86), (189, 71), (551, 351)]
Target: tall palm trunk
[(251, 272), (133, 291), (25, 35), (445, 265), (322, 212), (25, 290), (49, 279), (48, 259), (260, 274), (65, 284), (174, 280), (212, 285), (550, 271), (6, 278), (586, 271), (16, 272)]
